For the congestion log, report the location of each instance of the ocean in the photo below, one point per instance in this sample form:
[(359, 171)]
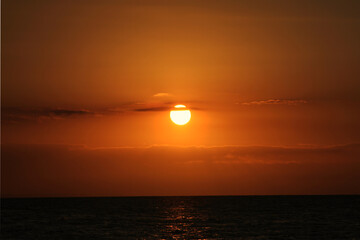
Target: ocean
[(208, 217)]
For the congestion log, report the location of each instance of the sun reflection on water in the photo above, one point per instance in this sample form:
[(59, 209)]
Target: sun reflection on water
[(183, 221)]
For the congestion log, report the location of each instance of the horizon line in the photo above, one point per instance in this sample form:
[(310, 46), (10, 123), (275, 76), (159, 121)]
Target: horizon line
[(159, 196)]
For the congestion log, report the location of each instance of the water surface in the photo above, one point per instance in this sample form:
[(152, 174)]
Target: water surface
[(238, 217)]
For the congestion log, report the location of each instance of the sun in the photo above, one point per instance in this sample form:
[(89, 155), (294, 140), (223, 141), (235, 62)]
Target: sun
[(180, 115)]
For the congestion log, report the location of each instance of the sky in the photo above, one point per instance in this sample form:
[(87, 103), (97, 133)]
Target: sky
[(87, 86)]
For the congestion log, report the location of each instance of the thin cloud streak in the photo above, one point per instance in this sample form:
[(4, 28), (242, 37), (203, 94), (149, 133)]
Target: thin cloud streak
[(152, 109), (14, 115), (276, 102)]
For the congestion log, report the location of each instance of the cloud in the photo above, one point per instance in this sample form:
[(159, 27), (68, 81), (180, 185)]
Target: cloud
[(39, 114), (149, 109), (153, 107), (16, 115), (276, 102), (158, 95), (148, 106), (74, 170), (68, 112)]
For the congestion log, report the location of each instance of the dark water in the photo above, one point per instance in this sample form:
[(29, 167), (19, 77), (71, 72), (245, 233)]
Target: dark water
[(253, 217)]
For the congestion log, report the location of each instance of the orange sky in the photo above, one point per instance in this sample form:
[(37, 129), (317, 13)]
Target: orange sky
[(105, 74)]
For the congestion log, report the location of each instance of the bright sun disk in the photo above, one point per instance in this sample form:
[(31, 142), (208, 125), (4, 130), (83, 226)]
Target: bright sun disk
[(180, 115)]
